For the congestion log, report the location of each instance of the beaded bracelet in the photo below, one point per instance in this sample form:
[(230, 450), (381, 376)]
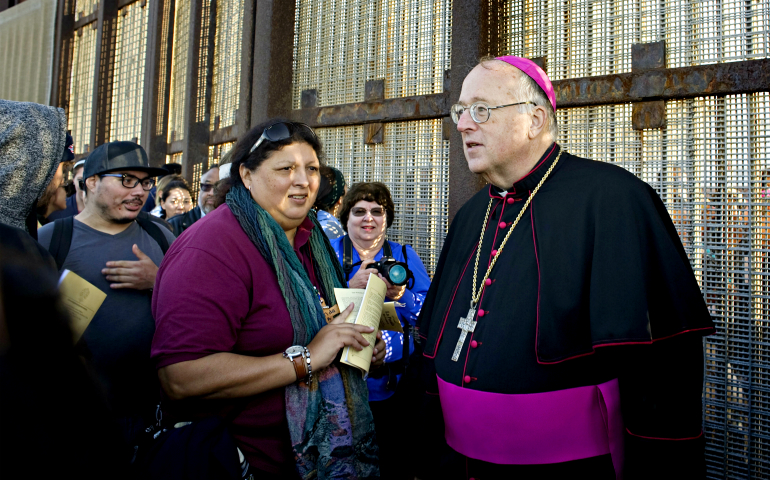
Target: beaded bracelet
[(306, 357)]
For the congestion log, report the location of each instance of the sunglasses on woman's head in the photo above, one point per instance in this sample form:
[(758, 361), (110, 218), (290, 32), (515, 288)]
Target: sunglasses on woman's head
[(277, 132)]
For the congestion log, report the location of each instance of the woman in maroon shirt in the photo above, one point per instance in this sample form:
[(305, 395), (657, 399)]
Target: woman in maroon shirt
[(239, 321)]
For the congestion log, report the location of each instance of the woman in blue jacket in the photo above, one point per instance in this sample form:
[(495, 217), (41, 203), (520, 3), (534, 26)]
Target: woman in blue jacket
[(367, 212)]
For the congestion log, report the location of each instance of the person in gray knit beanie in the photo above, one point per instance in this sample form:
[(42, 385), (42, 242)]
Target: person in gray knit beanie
[(32, 144)]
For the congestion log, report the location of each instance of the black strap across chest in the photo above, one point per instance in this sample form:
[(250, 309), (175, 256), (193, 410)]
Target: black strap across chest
[(347, 255)]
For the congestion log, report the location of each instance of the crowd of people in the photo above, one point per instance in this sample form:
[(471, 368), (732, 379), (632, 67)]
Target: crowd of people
[(216, 350)]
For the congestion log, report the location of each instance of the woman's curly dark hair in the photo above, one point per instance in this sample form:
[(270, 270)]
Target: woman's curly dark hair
[(376, 192)]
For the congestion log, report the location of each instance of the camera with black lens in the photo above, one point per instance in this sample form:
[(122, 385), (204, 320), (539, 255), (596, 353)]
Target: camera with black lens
[(397, 273)]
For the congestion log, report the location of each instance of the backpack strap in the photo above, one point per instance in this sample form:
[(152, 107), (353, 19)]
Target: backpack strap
[(61, 240), (154, 231)]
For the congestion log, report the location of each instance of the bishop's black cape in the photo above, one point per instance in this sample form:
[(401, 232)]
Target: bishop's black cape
[(594, 262)]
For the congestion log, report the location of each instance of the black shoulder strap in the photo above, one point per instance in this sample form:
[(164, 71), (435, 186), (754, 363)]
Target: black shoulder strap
[(347, 257), (403, 252), (61, 240), (154, 231), (386, 251)]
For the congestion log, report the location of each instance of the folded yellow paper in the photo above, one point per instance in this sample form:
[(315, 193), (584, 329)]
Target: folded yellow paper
[(81, 299)]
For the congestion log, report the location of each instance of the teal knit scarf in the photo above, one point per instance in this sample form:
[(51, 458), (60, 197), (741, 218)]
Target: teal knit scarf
[(330, 423)]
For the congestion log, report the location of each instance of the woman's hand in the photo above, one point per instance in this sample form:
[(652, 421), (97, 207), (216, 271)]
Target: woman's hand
[(394, 292), (379, 351), (332, 337), (361, 278)]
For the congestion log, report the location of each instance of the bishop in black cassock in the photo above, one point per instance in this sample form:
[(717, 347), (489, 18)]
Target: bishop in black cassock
[(582, 355)]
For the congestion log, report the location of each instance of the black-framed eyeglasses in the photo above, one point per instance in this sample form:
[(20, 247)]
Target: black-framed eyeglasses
[(361, 211), (130, 181), (480, 111), (277, 132), (206, 187)]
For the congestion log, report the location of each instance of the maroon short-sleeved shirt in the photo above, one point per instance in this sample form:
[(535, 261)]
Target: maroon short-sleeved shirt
[(216, 293)]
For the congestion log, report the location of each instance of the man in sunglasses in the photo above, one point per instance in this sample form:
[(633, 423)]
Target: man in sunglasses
[(563, 327), (205, 202), (111, 247)]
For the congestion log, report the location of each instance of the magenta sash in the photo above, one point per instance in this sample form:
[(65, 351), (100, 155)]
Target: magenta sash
[(535, 428)]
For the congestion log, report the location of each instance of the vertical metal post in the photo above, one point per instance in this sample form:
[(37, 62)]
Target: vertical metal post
[(196, 136), (62, 61), (157, 80), (470, 41), (243, 115), (107, 25), (273, 60)]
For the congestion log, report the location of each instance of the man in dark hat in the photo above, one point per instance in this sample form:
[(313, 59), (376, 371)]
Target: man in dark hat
[(563, 328), (110, 247)]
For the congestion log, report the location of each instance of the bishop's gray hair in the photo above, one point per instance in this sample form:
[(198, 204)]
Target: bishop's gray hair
[(527, 90)]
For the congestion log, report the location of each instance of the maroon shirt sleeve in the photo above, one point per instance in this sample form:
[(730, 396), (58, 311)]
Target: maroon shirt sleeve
[(198, 304)]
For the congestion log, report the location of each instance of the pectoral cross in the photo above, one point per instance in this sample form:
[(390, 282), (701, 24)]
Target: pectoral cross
[(466, 324)]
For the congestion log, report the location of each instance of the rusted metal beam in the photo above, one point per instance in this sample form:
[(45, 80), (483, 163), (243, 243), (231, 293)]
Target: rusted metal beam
[(644, 57), (176, 146), (374, 91), (665, 84), (125, 3), (83, 21), (646, 115), (223, 135), (389, 110)]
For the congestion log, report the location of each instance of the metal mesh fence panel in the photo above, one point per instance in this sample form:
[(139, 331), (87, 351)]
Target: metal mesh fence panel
[(128, 82), (585, 38), (216, 152), (711, 167), (83, 8), (413, 162), (81, 95), (178, 70), (227, 64), (339, 45), (202, 71)]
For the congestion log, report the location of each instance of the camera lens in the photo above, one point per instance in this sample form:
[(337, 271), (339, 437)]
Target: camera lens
[(397, 275)]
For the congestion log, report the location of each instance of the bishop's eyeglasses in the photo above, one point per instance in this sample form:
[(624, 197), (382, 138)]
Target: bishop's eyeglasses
[(480, 111)]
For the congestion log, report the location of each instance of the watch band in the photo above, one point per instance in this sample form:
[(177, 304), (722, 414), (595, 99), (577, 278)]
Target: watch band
[(299, 366)]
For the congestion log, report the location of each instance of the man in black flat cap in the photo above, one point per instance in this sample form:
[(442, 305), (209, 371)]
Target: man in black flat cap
[(111, 247)]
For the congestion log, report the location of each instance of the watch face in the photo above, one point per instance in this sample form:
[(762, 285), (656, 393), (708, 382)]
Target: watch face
[(295, 350)]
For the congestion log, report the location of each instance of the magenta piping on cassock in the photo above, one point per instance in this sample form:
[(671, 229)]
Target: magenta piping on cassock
[(534, 428)]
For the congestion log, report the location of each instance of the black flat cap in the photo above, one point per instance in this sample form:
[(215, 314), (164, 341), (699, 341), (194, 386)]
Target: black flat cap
[(119, 156)]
